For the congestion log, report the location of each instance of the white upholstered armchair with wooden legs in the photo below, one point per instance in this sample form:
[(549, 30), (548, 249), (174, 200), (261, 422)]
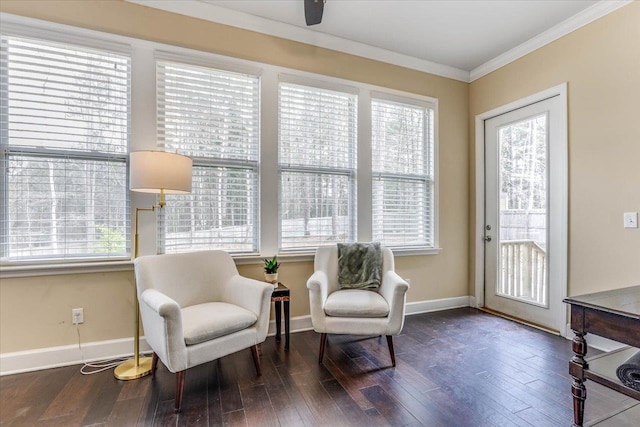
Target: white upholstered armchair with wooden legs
[(196, 308), (355, 311)]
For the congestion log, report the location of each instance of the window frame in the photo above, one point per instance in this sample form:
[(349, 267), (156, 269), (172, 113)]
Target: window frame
[(430, 176), (215, 162), (350, 172), (52, 263), (143, 131)]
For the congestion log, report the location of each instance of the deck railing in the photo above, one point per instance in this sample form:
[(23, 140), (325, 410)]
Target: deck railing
[(524, 271)]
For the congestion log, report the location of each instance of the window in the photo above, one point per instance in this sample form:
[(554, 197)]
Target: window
[(341, 162), (212, 116), (403, 176), (317, 160), (64, 143)]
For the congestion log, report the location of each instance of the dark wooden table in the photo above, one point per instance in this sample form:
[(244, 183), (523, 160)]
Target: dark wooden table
[(611, 314), (280, 295)]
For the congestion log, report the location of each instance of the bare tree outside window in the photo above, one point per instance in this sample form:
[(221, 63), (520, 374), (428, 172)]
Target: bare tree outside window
[(403, 194), (64, 151), (316, 155), (212, 116)]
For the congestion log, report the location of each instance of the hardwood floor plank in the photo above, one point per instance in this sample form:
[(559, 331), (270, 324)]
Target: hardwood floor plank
[(104, 401), (26, 402), (214, 399), (136, 388), (353, 412), (230, 397), (194, 401), (297, 399), (388, 407), (234, 419), (75, 399), (454, 368), (257, 407), (350, 376), (165, 415), (126, 412), (279, 395), (424, 410), (536, 418), (316, 398)]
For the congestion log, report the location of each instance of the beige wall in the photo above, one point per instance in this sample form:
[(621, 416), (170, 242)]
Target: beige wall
[(601, 63), (45, 302)]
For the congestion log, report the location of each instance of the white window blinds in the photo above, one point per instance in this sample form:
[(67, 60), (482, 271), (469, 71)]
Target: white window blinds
[(403, 177), (317, 160), (212, 116), (64, 139)]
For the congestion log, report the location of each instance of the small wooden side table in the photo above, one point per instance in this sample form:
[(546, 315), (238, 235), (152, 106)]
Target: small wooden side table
[(280, 295), (611, 314)]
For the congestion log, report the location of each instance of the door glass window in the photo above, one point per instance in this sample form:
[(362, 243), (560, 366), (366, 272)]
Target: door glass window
[(523, 210)]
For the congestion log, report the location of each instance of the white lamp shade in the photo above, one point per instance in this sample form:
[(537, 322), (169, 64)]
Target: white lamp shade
[(158, 171)]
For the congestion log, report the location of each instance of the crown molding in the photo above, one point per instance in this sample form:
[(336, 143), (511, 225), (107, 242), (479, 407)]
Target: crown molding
[(590, 14), (202, 10)]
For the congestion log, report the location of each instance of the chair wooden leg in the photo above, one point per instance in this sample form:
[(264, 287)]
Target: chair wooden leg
[(154, 364), (255, 352), (391, 352), (323, 342), (179, 389)]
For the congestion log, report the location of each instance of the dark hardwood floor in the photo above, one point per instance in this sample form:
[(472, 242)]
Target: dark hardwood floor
[(455, 368)]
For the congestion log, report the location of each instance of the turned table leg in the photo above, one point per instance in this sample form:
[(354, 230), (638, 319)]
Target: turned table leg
[(576, 368)]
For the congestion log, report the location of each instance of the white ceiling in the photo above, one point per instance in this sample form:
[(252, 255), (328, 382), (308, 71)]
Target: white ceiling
[(462, 39)]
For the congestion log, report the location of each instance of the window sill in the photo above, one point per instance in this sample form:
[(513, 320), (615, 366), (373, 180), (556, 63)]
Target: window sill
[(33, 270), (397, 252), (307, 256)]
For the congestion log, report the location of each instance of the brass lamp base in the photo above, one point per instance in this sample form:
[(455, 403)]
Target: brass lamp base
[(129, 371)]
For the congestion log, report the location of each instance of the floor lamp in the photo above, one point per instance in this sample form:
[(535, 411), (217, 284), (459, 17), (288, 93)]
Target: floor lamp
[(160, 173)]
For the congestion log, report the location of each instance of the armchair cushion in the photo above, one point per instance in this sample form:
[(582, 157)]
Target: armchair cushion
[(356, 303), (204, 322)]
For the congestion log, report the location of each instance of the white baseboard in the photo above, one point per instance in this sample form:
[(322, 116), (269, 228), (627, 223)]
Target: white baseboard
[(436, 305), (296, 324), (53, 357)]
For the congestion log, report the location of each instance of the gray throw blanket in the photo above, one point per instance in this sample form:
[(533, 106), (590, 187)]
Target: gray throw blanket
[(359, 266)]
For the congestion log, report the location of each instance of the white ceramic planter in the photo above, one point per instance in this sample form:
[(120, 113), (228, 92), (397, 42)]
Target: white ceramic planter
[(271, 278)]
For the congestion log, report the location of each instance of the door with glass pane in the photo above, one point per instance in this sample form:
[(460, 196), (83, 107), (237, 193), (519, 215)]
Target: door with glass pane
[(524, 213)]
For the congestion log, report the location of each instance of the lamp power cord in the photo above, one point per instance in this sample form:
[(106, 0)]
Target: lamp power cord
[(90, 368)]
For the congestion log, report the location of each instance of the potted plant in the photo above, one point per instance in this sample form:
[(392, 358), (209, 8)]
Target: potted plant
[(271, 270)]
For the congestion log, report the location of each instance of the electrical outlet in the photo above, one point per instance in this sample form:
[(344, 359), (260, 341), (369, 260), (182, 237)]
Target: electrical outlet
[(631, 220), (77, 316)]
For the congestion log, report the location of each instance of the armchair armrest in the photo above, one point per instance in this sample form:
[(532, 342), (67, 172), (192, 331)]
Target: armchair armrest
[(247, 293), (318, 285), (252, 295), (392, 286), (162, 321), (160, 303), (394, 289)]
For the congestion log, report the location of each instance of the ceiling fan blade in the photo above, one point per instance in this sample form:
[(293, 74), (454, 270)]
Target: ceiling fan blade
[(313, 11)]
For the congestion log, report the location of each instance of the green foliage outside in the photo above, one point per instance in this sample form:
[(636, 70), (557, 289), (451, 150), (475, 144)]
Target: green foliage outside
[(111, 240)]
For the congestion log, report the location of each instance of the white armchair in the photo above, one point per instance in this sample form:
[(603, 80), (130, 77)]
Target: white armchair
[(196, 308), (355, 311)]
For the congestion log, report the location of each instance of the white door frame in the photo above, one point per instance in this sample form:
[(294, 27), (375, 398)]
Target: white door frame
[(560, 90)]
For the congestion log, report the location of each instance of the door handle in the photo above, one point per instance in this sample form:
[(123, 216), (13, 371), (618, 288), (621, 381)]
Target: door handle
[(487, 238)]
